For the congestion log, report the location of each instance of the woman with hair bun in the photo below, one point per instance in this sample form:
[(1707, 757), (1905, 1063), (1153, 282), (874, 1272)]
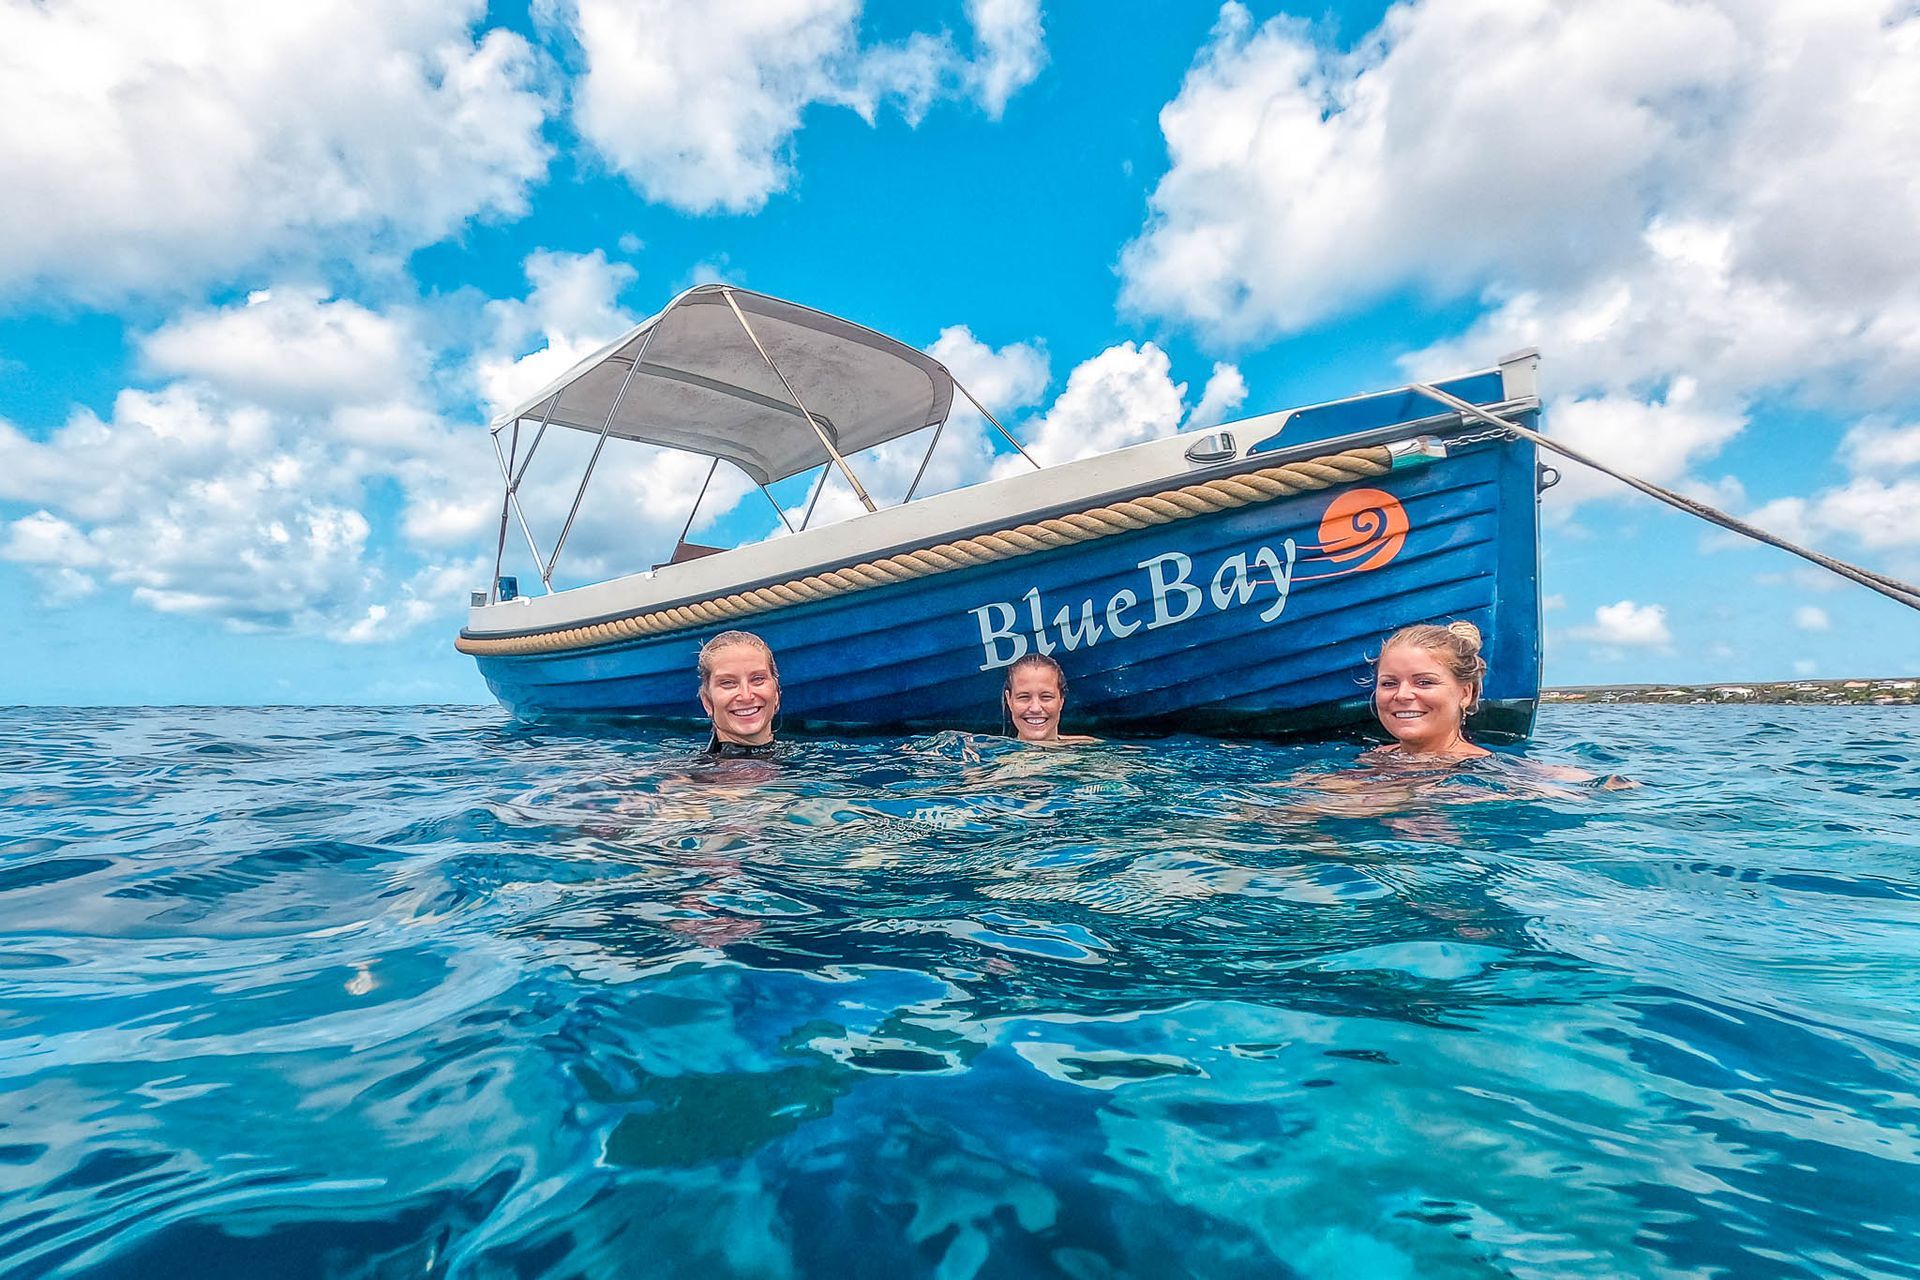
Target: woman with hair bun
[(1426, 682)]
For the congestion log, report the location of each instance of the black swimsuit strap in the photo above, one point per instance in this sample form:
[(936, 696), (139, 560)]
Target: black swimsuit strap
[(719, 750)]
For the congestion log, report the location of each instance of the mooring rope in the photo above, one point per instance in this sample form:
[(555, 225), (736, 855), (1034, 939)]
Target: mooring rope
[(1892, 588), (1165, 507)]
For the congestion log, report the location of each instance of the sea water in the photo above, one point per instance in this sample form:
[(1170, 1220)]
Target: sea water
[(421, 992)]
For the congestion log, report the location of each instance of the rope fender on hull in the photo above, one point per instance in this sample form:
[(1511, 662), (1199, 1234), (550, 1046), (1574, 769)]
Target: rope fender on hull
[(1184, 503)]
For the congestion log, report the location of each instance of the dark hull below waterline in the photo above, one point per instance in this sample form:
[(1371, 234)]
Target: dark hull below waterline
[(1206, 625)]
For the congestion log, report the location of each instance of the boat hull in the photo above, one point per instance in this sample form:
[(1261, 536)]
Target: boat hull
[(1257, 621)]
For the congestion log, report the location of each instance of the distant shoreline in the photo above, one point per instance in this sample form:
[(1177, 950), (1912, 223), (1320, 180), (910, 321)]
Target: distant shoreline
[(1896, 691)]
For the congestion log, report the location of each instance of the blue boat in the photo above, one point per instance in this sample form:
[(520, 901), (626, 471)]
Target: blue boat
[(1232, 581)]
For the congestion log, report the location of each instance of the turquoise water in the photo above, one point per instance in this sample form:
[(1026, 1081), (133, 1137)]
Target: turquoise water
[(416, 992)]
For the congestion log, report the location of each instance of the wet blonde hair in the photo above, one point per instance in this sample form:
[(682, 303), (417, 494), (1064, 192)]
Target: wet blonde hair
[(1029, 662), (728, 640), (1457, 645)]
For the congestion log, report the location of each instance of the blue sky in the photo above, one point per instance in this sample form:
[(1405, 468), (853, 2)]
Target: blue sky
[(266, 271)]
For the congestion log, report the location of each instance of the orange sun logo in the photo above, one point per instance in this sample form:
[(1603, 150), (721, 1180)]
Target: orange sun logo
[(1367, 523)]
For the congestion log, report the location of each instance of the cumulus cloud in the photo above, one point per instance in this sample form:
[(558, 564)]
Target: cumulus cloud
[(425, 596), (1812, 618), (1124, 395), (191, 507), (1010, 378), (1012, 49), (1627, 625), (153, 147), (1699, 208), (1657, 440), (700, 114), (1877, 506), (571, 310), (1881, 446), (56, 552), (1305, 181), (1225, 392), (291, 348)]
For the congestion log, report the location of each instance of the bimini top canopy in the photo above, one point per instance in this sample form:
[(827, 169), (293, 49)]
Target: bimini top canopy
[(702, 384)]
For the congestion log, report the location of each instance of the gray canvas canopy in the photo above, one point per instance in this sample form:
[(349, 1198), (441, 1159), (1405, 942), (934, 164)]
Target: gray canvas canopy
[(729, 385)]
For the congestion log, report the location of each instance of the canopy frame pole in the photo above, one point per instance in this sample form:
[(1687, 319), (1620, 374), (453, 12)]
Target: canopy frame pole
[(545, 418), (546, 575), (506, 501), (513, 500), (698, 498), (859, 489), (938, 427), (1005, 434), (819, 487), (775, 504)]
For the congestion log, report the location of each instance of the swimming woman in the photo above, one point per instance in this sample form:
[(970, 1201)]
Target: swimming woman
[(1426, 682), (740, 689), (1035, 694)]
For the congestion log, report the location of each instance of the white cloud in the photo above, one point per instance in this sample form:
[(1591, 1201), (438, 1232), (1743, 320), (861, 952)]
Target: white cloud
[(1870, 511), (290, 348), (571, 310), (1012, 47), (1655, 440), (56, 553), (1881, 446), (44, 539), (1877, 507), (1627, 625), (1124, 395), (1812, 618), (152, 147), (1805, 667), (192, 507), (700, 114), (1704, 204), (1225, 392), (434, 591), (1304, 182), (1010, 378)]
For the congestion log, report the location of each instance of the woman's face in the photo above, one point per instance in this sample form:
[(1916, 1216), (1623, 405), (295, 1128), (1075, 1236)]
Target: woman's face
[(741, 695), (1420, 702), (1034, 701)]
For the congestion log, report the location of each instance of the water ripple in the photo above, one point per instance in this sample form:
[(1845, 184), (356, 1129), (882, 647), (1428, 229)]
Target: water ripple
[(340, 992)]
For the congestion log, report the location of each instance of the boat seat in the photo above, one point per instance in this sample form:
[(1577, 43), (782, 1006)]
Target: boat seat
[(684, 551)]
